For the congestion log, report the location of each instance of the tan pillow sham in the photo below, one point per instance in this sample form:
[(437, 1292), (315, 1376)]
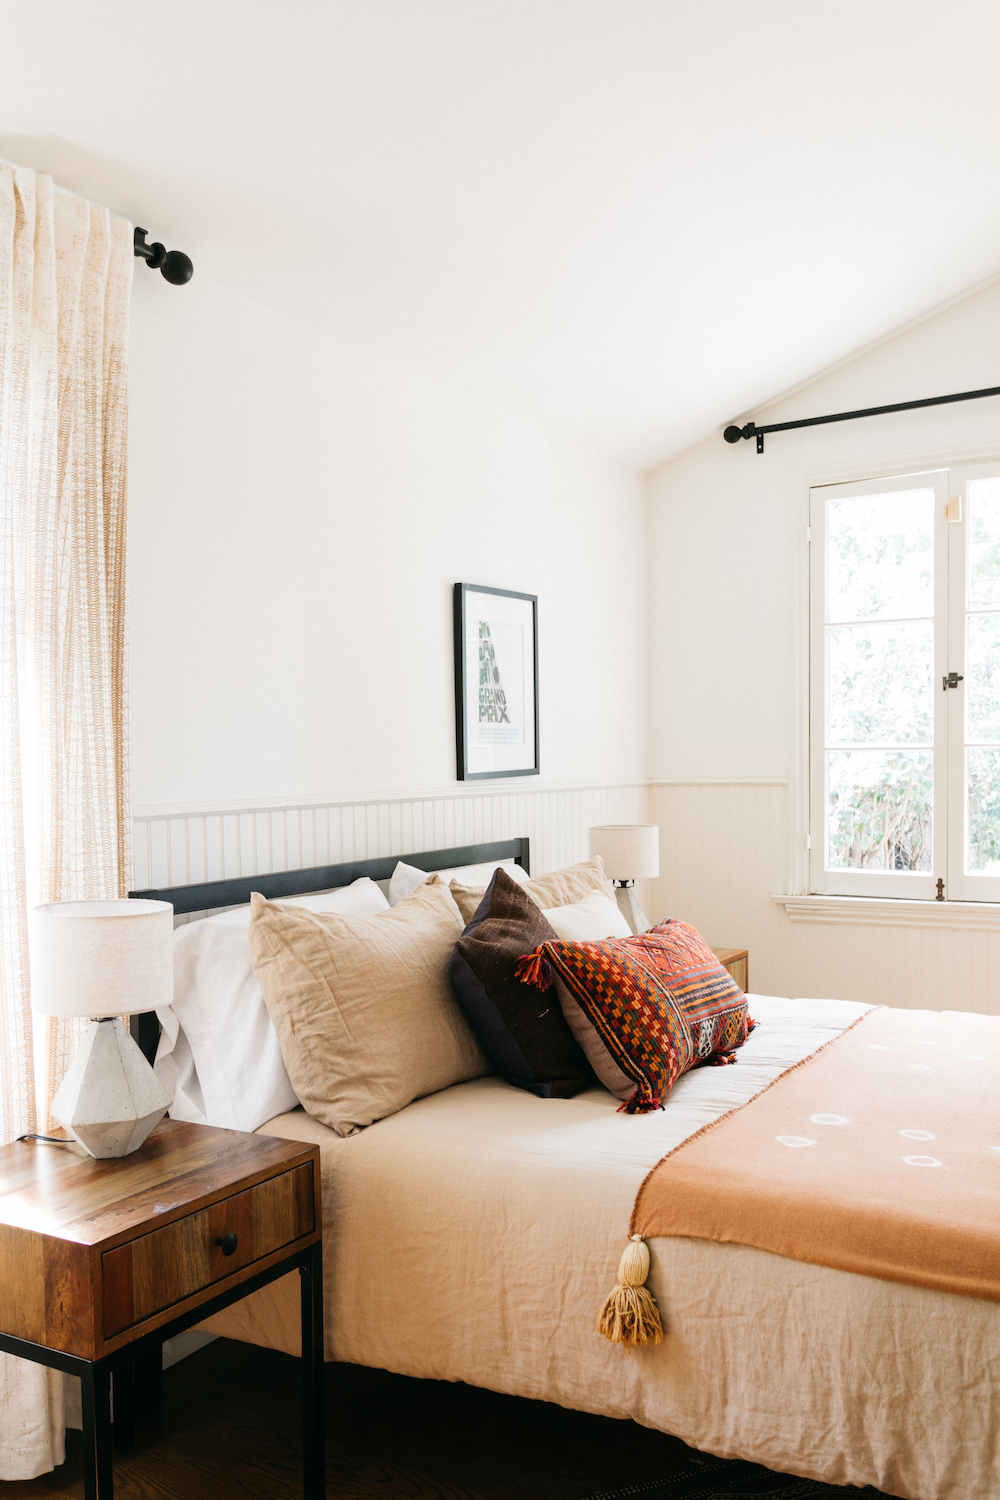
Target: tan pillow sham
[(363, 1006), (560, 888)]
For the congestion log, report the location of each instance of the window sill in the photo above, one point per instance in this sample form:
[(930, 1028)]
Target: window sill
[(875, 911)]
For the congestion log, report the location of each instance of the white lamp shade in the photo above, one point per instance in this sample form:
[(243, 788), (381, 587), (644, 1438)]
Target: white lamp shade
[(630, 851), (101, 958)]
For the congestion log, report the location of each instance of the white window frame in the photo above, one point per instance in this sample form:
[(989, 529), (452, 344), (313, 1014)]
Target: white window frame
[(902, 884), (960, 886), (973, 899)]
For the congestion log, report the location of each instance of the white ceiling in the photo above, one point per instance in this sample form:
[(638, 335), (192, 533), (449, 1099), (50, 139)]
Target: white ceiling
[(634, 219)]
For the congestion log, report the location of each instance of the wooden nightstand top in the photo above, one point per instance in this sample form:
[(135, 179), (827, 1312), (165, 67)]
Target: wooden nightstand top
[(60, 1190), (727, 956), (95, 1254)]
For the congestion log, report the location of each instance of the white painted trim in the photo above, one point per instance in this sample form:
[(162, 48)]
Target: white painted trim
[(798, 823), (898, 463), (504, 787), (717, 781), (873, 911)]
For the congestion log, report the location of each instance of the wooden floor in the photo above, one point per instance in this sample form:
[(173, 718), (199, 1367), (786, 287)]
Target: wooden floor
[(229, 1430)]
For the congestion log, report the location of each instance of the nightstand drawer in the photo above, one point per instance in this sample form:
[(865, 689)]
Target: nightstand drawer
[(160, 1269)]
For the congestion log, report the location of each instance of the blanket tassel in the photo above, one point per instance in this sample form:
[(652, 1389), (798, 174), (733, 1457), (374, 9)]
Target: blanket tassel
[(629, 1317)]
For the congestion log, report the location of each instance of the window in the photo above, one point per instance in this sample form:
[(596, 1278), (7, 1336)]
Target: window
[(905, 686)]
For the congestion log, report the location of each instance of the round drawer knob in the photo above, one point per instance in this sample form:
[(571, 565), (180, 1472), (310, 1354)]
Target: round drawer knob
[(228, 1243)]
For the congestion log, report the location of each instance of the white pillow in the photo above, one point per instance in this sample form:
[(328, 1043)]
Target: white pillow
[(591, 920), (405, 878), (219, 1055)]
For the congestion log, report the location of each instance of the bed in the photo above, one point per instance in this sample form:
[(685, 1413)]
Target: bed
[(473, 1235)]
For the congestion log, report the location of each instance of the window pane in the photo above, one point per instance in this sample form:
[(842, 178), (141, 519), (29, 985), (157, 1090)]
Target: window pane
[(982, 782), (881, 689), (880, 556), (879, 809), (984, 543), (982, 678)]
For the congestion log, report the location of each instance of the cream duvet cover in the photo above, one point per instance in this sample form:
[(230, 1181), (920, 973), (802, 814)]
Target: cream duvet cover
[(473, 1236)]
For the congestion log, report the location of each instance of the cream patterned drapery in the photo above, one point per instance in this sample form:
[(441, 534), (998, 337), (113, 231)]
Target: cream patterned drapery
[(65, 279)]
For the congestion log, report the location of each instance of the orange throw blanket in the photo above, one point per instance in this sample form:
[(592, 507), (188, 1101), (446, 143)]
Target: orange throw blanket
[(878, 1154)]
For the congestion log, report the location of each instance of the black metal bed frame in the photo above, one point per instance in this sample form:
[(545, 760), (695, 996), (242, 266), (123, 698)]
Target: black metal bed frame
[(284, 883), (143, 1355)]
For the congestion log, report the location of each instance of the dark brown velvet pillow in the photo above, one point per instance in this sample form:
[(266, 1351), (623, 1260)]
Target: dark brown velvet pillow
[(522, 1030)]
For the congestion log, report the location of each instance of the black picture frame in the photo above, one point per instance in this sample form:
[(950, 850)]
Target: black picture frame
[(463, 708)]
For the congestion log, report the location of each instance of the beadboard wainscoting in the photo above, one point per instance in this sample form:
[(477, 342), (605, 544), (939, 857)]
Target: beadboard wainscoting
[(186, 845), (724, 853)]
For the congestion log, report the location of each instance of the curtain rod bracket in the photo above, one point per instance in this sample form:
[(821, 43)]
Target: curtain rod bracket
[(173, 265)]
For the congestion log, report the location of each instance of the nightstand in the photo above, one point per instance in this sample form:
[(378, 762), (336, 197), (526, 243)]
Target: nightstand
[(100, 1261), (737, 961)]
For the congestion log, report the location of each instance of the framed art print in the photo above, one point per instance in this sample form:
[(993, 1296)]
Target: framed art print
[(496, 682)]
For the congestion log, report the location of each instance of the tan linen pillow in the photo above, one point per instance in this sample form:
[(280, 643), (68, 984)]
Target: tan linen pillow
[(363, 1006), (560, 888)]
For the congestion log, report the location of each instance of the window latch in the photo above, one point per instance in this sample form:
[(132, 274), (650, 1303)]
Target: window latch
[(940, 891), (952, 680)]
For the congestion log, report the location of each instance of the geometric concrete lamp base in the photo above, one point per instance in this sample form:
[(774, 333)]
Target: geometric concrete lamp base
[(110, 1098), (629, 906)]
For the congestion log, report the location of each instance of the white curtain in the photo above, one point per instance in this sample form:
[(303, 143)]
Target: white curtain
[(65, 279)]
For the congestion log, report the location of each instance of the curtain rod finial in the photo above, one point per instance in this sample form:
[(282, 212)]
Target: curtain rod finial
[(173, 265), (177, 267)]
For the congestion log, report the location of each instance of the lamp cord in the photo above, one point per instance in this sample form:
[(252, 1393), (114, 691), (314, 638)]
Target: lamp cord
[(57, 1140)]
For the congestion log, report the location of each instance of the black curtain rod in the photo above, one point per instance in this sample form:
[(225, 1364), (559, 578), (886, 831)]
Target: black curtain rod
[(733, 434)]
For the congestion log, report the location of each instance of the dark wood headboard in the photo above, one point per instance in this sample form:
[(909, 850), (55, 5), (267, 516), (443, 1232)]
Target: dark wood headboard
[(214, 893)]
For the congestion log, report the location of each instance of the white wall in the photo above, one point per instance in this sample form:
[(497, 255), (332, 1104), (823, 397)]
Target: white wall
[(726, 579), (299, 513)]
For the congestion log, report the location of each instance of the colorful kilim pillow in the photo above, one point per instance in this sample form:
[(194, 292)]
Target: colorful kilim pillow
[(645, 1009)]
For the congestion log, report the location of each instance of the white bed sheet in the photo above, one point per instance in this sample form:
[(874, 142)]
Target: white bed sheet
[(473, 1236)]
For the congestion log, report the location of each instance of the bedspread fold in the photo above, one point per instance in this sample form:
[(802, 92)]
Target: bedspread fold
[(879, 1154)]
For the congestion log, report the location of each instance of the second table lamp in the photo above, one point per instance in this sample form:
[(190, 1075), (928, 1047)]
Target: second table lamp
[(630, 852)]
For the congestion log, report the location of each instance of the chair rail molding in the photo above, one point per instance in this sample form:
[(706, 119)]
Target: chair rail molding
[(717, 781)]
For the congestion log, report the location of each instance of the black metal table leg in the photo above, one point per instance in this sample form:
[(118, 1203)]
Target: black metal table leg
[(123, 1387), (89, 1419), (147, 1363), (98, 1473), (313, 1436), (139, 1376)]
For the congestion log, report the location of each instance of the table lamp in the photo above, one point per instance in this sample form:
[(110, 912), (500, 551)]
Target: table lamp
[(630, 852), (104, 959)]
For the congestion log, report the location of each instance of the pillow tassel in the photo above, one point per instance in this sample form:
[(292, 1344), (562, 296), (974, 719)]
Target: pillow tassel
[(640, 1103), (534, 968), (630, 1317)]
